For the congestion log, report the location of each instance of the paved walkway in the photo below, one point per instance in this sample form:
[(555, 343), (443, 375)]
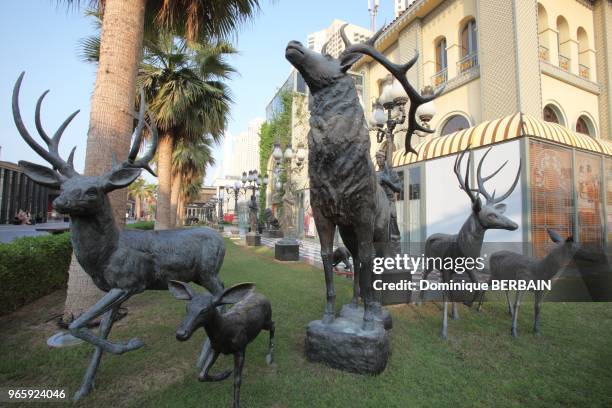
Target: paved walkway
[(10, 232)]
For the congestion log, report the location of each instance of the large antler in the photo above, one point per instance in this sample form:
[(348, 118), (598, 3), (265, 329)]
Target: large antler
[(481, 180), (132, 160), (399, 72), (51, 154), (464, 183)]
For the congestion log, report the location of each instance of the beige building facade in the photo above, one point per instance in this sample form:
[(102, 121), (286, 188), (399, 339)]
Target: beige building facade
[(547, 58)]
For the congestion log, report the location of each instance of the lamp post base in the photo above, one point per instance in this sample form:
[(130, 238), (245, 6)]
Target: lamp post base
[(287, 249)]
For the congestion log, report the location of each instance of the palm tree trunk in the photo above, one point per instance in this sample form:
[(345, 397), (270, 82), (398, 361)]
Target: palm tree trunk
[(164, 178), (137, 207), (110, 122), (174, 199), (181, 211)]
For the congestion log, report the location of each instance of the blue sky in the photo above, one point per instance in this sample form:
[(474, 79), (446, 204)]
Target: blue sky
[(40, 37)]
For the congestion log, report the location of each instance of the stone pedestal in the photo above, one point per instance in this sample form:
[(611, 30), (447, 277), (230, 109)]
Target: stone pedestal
[(253, 239), (344, 345), (287, 250)]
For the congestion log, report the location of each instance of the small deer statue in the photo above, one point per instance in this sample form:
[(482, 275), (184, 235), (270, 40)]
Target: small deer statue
[(344, 192), (507, 265), (120, 262), (468, 242), (229, 332)]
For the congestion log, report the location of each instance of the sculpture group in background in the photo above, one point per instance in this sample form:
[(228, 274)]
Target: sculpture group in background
[(270, 220), (120, 262), (229, 332), (512, 266), (288, 221), (468, 242), (392, 185)]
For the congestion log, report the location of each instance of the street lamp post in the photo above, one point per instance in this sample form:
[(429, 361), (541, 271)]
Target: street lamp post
[(234, 190), (253, 181), (288, 249)]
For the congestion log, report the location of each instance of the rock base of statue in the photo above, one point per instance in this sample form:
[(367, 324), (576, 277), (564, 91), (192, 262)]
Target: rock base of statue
[(273, 233), (287, 250), (253, 239), (344, 345), (356, 313)]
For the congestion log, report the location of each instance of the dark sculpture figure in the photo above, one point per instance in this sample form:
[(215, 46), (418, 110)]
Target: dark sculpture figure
[(229, 332), (253, 208), (343, 187), (120, 262), (468, 242), (392, 185), (342, 255), (507, 265), (271, 221)]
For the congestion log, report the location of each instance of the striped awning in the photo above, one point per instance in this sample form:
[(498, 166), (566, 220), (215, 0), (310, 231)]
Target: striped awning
[(497, 131)]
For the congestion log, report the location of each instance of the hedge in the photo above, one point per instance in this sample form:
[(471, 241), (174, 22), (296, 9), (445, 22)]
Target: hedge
[(141, 225), (31, 267)]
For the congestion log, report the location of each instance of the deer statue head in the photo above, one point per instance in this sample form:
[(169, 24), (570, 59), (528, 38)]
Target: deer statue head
[(565, 249), (203, 306), (80, 195), (490, 215)]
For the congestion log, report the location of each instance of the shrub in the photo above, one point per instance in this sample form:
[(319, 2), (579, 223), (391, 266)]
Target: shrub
[(142, 225), (31, 267)]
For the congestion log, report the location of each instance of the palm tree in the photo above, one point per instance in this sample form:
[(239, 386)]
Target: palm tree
[(150, 198), (183, 82), (136, 191), (189, 161), (122, 31)]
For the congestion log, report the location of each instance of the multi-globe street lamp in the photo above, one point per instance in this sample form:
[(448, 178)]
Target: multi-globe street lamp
[(235, 190)]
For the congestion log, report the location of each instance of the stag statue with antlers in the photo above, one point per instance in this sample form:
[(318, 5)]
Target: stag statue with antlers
[(120, 262), (343, 189), (468, 242)]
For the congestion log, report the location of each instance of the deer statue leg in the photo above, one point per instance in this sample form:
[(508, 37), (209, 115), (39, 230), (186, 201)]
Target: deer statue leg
[(210, 361), (426, 273), (114, 298), (269, 356), (349, 239), (365, 238), (517, 304), (238, 365), (455, 312), (539, 296), (510, 311), (445, 299), (88, 380), (326, 230)]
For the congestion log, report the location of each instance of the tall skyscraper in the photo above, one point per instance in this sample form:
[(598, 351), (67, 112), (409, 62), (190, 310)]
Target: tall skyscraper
[(331, 36), (245, 149)]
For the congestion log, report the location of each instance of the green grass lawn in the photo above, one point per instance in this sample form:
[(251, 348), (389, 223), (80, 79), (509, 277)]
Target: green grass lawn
[(481, 365)]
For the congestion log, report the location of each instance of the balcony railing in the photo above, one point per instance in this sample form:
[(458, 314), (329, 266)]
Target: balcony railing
[(466, 63), (585, 72), (440, 78), (544, 53), (564, 63)]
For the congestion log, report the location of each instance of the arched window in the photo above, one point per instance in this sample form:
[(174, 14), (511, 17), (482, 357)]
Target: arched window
[(441, 61), (469, 44), (454, 124), (583, 53), (585, 126), (551, 114), (563, 43), (441, 75), (543, 28)]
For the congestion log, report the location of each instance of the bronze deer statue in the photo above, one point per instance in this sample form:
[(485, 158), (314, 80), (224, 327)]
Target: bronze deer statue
[(231, 331), (344, 192), (512, 266), (468, 242), (120, 262)]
